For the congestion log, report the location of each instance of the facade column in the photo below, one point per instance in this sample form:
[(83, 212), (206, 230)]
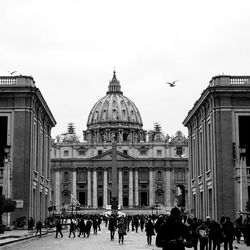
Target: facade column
[(105, 188), (151, 187), (89, 188), (120, 200), (131, 189), (74, 184), (57, 191), (167, 199), (136, 188), (94, 189)]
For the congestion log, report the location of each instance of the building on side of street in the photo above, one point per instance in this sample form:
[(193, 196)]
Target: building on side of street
[(152, 168), (219, 148), (25, 125)]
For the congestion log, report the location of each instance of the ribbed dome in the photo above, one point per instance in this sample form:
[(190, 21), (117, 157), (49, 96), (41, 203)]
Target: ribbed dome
[(114, 108)]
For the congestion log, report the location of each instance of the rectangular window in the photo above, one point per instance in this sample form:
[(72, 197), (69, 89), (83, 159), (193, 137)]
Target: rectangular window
[(244, 135), (99, 152), (81, 152), (159, 152), (179, 151), (143, 152), (125, 152), (65, 153)]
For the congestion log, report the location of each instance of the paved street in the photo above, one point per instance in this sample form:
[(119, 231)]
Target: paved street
[(100, 241)]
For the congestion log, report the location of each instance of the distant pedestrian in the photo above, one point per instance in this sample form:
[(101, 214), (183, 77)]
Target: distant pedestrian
[(82, 228), (121, 230), (112, 227), (72, 228), (58, 228), (30, 223), (39, 226), (149, 228), (88, 226)]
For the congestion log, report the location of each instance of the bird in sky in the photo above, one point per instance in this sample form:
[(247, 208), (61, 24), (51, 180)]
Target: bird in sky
[(172, 84), (12, 72)]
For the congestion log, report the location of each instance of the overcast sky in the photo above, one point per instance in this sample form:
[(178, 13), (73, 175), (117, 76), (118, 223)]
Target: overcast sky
[(71, 48)]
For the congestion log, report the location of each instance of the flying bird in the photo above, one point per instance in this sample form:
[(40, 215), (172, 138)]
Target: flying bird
[(12, 72), (172, 84)]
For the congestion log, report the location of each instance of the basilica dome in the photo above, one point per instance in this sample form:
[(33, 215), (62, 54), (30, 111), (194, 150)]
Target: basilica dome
[(114, 117), (114, 108)]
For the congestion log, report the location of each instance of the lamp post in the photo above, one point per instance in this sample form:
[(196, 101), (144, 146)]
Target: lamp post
[(242, 152), (6, 176)]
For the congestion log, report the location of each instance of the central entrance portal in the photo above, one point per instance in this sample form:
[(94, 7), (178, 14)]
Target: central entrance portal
[(143, 199)]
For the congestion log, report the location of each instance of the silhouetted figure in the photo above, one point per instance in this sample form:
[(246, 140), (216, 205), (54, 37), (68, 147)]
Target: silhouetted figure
[(39, 226), (149, 228), (58, 228), (173, 234)]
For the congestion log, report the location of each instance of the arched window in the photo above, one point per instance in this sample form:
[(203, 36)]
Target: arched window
[(159, 175)]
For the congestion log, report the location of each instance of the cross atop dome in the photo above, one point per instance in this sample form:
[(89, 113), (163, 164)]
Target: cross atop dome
[(114, 85)]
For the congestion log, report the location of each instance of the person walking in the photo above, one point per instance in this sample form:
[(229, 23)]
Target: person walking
[(82, 228), (149, 228), (112, 227), (72, 228), (88, 226), (58, 228), (173, 234), (39, 226), (228, 232), (121, 230), (216, 235)]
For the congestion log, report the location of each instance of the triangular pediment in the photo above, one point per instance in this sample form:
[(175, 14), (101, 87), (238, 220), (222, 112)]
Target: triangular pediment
[(108, 156)]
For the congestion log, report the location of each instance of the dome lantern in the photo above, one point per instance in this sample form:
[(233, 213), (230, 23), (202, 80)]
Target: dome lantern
[(114, 85)]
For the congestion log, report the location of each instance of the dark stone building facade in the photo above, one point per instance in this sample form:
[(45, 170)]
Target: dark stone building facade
[(25, 125), (218, 130)]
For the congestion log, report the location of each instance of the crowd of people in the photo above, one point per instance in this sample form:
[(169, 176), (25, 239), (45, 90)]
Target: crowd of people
[(173, 232)]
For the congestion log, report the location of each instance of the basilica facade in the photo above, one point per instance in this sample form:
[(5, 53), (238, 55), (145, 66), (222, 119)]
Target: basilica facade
[(152, 169)]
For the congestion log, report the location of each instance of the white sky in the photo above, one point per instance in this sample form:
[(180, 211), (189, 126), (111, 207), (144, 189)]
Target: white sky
[(71, 48)]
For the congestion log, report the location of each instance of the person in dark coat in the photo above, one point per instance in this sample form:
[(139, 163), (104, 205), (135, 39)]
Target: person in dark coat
[(158, 223), (149, 228), (247, 230), (58, 228), (39, 226), (88, 226), (173, 234), (72, 228), (228, 232), (121, 230), (95, 225), (82, 228), (112, 227), (216, 235)]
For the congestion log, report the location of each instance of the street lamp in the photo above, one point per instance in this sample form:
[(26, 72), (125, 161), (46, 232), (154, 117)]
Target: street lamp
[(242, 152)]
